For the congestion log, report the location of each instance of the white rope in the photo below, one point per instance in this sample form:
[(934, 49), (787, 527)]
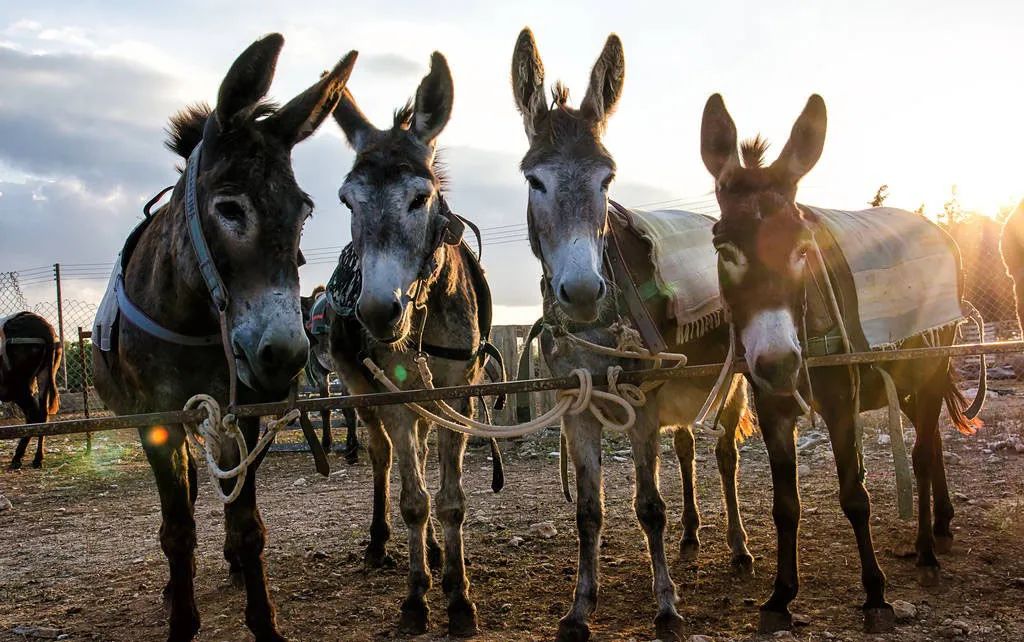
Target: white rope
[(209, 436), (570, 402), (629, 347)]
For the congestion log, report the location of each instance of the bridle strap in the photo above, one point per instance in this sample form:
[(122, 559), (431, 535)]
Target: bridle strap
[(218, 292)]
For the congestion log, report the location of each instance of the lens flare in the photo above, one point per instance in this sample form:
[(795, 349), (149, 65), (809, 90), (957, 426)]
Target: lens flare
[(400, 373), (158, 436)]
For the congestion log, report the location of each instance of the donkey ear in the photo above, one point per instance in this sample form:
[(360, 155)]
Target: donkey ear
[(304, 113), (249, 78), (717, 137), (606, 81), (433, 100), (528, 81), (358, 129), (803, 149)]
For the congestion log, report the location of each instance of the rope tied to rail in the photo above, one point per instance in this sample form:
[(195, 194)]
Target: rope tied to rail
[(573, 401), (212, 436)]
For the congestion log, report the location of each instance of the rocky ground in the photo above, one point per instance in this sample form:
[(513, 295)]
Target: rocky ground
[(79, 559)]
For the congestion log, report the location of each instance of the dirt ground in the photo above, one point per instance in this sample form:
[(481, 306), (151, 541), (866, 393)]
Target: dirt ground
[(79, 555)]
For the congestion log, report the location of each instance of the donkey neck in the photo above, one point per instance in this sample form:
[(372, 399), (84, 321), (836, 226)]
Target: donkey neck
[(451, 304), (162, 277)]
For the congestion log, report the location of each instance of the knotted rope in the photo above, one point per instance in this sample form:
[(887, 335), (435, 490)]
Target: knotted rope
[(209, 437)]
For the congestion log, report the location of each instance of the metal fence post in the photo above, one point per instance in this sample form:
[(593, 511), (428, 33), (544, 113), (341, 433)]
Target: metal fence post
[(82, 336), (60, 322)]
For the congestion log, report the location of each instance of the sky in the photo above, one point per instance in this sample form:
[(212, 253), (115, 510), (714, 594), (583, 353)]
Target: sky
[(921, 96)]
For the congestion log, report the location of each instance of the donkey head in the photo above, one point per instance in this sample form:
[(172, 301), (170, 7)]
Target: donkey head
[(763, 237), (251, 209), (393, 192), (569, 172)]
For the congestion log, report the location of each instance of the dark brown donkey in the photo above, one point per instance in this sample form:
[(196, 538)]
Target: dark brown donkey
[(30, 355), (421, 288), (763, 240), (250, 211)]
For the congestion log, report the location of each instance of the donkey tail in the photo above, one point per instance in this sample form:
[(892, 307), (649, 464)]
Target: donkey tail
[(47, 376), (956, 404), (497, 468)]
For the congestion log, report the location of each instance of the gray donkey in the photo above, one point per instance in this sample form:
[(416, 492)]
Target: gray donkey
[(420, 290), (569, 173), (163, 344)]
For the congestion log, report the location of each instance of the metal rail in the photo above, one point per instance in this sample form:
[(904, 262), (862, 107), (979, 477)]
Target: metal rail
[(487, 389)]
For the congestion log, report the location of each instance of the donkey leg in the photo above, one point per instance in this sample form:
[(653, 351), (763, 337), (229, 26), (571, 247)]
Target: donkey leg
[(778, 419), (650, 511), (451, 510), (326, 438), (19, 453), (351, 437), (168, 458), (246, 537), (583, 435), (728, 457), (29, 407), (37, 461), (685, 446), (926, 415), (376, 555), (415, 505), (435, 556), (943, 534), (841, 420)]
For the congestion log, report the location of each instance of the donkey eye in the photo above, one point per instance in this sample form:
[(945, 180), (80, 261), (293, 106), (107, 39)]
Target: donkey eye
[(418, 201), (607, 182), (230, 210), (536, 183)]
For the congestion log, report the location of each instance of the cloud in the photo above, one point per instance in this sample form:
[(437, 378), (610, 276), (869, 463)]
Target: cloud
[(390, 64)]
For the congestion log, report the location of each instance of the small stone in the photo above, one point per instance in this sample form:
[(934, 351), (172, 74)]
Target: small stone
[(546, 530), (803, 470), (506, 608), (952, 459), (43, 632), (800, 619), (701, 638), (905, 611), (554, 454), (884, 439), (516, 541), (1018, 582), (783, 635), (749, 601), (5, 504), (301, 481)]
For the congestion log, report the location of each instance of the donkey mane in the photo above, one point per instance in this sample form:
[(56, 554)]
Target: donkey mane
[(404, 115), (752, 150), (560, 94), (185, 129)]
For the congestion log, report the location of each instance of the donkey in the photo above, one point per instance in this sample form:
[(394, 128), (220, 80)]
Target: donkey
[(30, 355), (318, 371), (1011, 246), (569, 172), (420, 287), (763, 239), (251, 212)]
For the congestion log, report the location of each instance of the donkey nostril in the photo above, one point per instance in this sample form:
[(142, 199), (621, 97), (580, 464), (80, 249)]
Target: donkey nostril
[(601, 289), (266, 354), (562, 292), (396, 310)]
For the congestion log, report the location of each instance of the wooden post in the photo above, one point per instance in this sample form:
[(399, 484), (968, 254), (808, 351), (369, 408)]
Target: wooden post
[(82, 336)]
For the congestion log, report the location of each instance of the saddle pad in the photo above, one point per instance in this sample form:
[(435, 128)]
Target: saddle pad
[(685, 267), (318, 322), (905, 271), (345, 284), (106, 314)]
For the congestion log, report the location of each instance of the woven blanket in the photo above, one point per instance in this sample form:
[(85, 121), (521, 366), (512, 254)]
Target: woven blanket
[(905, 272), (345, 284), (685, 268)]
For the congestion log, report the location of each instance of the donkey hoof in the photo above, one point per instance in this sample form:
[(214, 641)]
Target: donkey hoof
[(689, 549), (37, 463), (772, 621), (572, 631), (270, 636), (183, 629), (881, 619), (414, 617), (435, 556), (462, 621), (943, 544), (928, 575), (237, 579), (743, 566), (15, 465), (376, 559), (668, 626)]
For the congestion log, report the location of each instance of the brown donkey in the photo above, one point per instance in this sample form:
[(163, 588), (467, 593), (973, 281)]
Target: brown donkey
[(30, 355), (1011, 246), (167, 346), (569, 172), (763, 240)]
